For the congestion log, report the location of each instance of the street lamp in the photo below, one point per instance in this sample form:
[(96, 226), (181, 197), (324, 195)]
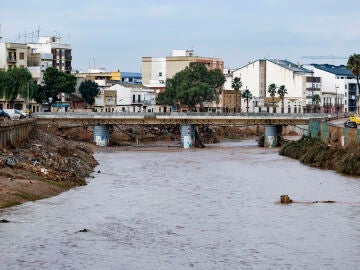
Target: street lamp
[(27, 100), (336, 102)]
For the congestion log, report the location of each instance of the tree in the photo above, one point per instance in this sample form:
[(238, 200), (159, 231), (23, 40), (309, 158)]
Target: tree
[(55, 82), (5, 82), (247, 95), (272, 91), (236, 84), (316, 100), (89, 90), (15, 82), (353, 64), (192, 86), (282, 91)]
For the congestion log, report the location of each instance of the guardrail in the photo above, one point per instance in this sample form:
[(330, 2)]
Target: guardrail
[(153, 114)]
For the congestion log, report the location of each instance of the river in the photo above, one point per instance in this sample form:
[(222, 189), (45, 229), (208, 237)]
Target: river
[(212, 208)]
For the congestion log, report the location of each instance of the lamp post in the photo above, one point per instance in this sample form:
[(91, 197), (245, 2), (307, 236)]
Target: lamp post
[(336, 102), (27, 99)]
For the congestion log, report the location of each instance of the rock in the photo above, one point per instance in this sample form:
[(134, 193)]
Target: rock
[(4, 221), (84, 230), (285, 199), (10, 161), (99, 171)]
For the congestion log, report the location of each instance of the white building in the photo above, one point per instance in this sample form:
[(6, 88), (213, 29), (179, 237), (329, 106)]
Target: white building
[(258, 75), (339, 88), (126, 99)]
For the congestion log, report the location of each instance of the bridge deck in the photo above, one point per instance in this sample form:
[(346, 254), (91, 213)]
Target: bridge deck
[(120, 118)]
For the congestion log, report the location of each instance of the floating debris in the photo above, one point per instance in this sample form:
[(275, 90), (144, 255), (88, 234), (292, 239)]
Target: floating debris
[(4, 221), (285, 199)]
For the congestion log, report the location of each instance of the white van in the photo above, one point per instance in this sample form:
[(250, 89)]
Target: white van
[(14, 114)]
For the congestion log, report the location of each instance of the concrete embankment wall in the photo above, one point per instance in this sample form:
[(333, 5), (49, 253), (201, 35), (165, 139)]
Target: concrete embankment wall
[(332, 134), (15, 133)]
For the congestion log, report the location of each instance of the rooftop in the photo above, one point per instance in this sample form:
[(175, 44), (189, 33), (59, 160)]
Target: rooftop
[(289, 65), (337, 70)]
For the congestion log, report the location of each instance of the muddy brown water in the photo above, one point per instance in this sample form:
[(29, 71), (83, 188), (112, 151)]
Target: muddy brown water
[(213, 208)]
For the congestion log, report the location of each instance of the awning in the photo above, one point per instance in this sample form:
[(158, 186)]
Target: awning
[(61, 105)]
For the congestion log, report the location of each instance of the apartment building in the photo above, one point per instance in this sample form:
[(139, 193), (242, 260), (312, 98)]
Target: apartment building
[(131, 78), (129, 98), (156, 70), (339, 88), (258, 75), (13, 55), (48, 52)]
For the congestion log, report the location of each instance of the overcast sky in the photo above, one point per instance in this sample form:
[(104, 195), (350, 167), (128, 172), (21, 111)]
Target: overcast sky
[(115, 34)]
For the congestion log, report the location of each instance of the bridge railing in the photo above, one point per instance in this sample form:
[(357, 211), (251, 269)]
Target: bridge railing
[(174, 114)]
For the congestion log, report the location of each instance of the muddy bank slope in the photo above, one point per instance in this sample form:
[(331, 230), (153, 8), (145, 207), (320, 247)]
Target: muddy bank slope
[(45, 166), (315, 153)]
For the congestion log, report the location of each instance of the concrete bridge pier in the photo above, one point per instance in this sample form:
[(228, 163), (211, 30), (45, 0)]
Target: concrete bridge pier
[(101, 135), (272, 135), (187, 136)]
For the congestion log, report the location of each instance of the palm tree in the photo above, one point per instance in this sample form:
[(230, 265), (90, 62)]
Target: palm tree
[(247, 95), (353, 64), (282, 91), (236, 84), (316, 100), (272, 91)]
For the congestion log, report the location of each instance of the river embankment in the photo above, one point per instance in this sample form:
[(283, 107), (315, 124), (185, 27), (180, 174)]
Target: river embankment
[(315, 153), (44, 166)]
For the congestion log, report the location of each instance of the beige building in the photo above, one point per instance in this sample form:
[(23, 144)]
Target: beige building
[(156, 70), (13, 55)]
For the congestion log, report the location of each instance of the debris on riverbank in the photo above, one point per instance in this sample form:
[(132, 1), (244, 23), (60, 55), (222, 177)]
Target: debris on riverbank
[(45, 166), (315, 153)]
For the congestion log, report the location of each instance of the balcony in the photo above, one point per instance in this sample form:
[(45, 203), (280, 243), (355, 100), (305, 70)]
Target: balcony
[(11, 59), (313, 89)]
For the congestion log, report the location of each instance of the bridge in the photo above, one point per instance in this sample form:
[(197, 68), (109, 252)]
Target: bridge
[(61, 119)]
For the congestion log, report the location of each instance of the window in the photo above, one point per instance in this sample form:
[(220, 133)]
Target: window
[(133, 99), (160, 74), (345, 86), (22, 56), (138, 98)]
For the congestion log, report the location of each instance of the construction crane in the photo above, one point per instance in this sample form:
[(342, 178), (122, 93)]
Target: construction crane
[(323, 57)]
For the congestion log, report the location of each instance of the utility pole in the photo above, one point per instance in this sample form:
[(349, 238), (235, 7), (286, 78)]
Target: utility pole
[(27, 100), (336, 102)]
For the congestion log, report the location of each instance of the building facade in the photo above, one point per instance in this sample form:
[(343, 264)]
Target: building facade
[(156, 70), (48, 52), (339, 88), (13, 55), (129, 98), (258, 75)]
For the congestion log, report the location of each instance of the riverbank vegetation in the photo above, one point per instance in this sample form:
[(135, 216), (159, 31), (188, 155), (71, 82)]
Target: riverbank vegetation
[(315, 153)]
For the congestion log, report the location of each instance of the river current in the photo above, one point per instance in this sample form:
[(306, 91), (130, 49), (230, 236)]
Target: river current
[(212, 208)]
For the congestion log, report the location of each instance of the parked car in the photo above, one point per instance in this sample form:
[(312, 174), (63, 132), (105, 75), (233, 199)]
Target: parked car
[(13, 115), (22, 114), (4, 114), (350, 124), (355, 118)]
